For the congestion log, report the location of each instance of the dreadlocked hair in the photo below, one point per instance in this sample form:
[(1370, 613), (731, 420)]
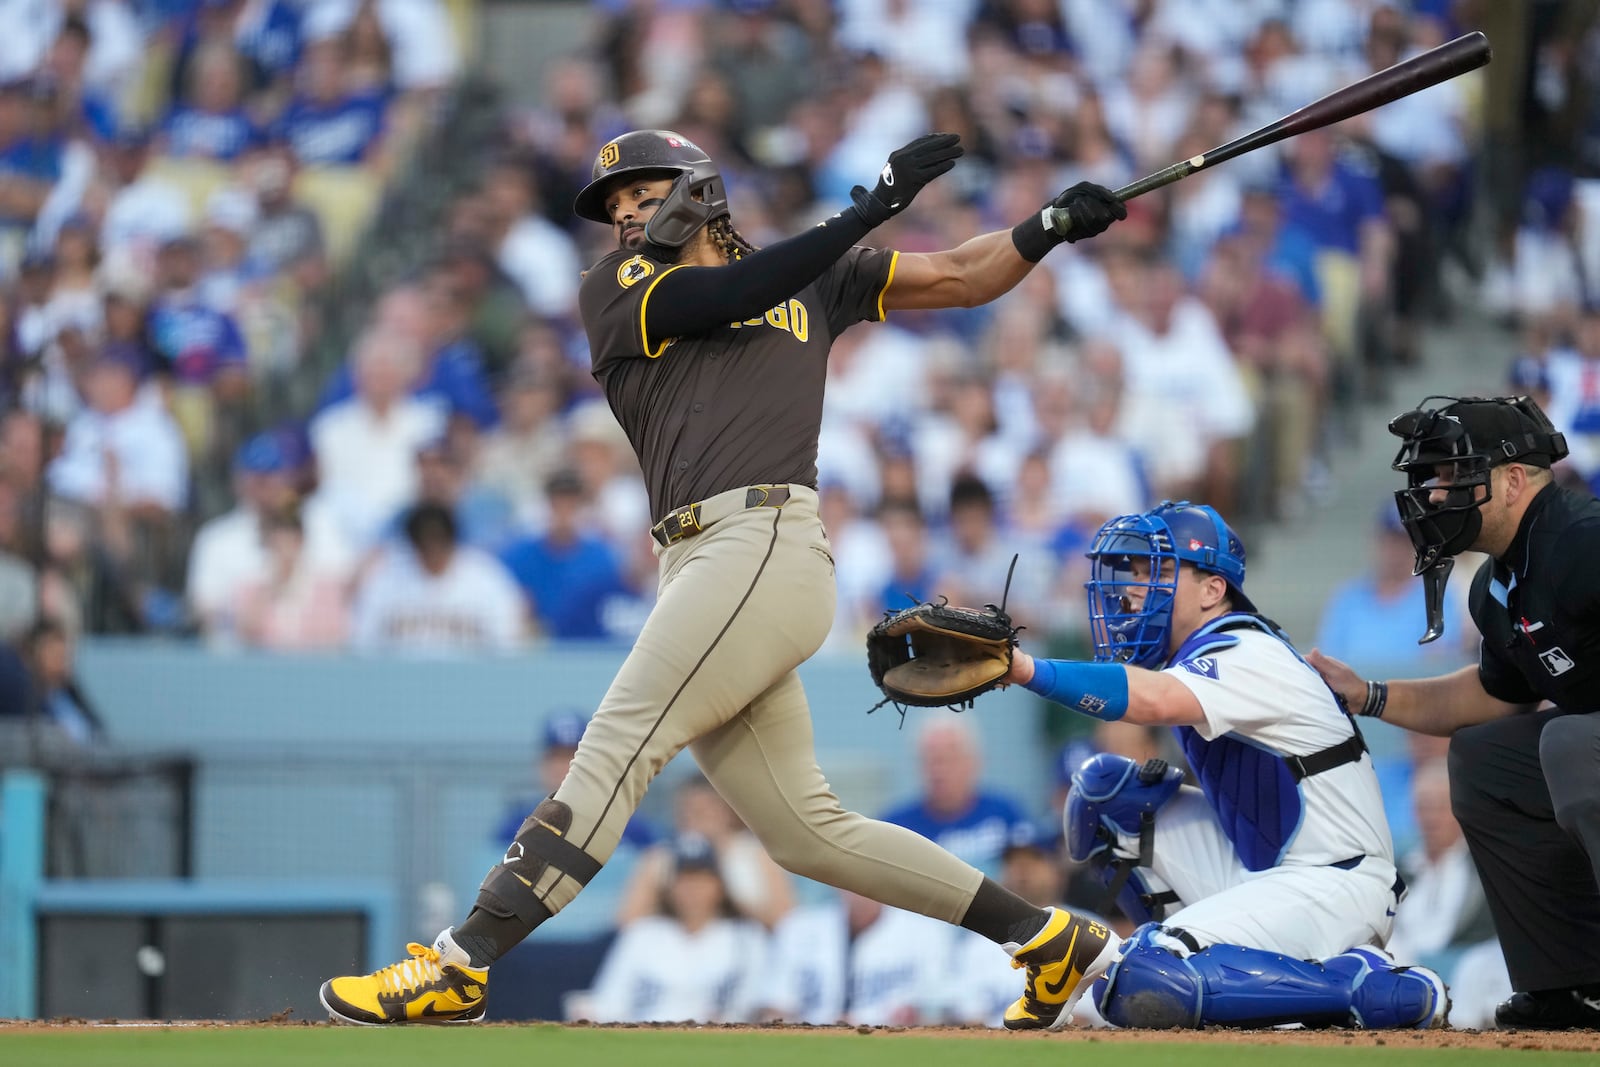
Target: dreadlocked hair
[(729, 241)]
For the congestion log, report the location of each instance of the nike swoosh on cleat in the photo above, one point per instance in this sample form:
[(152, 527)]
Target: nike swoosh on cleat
[(1055, 989)]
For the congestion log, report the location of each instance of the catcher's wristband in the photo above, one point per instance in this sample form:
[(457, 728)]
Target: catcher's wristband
[(1098, 690), (1377, 700)]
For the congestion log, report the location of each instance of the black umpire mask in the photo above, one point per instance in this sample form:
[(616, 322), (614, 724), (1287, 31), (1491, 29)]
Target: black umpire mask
[(1446, 453)]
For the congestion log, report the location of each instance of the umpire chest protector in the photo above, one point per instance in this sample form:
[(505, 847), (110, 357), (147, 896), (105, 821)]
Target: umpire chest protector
[(1254, 791), (1536, 607)]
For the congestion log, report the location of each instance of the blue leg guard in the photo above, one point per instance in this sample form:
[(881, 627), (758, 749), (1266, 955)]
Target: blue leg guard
[(1152, 986), (1385, 996)]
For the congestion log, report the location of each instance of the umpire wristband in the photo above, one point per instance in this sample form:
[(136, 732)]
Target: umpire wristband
[(1098, 690), (1377, 700), (1034, 237)]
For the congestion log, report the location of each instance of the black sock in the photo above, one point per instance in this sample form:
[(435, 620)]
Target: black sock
[(486, 936), (1002, 916)]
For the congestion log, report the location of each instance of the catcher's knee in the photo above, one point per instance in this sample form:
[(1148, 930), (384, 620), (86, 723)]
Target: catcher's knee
[(1151, 985), (510, 888), (1113, 794)]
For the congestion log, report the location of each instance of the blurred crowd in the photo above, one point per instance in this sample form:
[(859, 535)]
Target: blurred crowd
[(1547, 287), (180, 178), (178, 181)]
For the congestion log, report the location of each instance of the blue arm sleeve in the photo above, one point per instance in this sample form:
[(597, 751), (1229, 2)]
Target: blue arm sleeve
[(1098, 690)]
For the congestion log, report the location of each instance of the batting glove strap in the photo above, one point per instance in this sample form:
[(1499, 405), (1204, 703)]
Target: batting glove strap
[(872, 211), (1098, 690), (1034, 237)]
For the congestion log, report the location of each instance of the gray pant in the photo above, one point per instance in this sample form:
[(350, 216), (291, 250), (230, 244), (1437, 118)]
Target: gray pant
[(740, 607), (1526, 791)]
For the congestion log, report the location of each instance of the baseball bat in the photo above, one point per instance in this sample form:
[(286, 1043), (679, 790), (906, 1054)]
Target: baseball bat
[(1467, 52)]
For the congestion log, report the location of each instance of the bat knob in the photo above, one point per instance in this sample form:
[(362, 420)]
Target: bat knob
[(1059, 220)]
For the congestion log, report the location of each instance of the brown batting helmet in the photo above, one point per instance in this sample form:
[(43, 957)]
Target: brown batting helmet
[(656, 153)]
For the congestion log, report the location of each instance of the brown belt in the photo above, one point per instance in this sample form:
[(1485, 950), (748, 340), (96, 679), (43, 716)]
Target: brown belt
[(688, 521)]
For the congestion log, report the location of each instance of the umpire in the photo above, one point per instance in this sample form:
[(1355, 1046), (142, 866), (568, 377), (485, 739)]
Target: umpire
[(1524, 724)]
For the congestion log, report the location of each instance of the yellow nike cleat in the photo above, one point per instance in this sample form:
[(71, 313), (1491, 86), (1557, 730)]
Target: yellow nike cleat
[(435, 985), (1062, 961)]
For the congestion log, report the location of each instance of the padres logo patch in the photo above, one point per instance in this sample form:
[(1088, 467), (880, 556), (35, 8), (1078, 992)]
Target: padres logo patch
[(609, 156), (634, 270)]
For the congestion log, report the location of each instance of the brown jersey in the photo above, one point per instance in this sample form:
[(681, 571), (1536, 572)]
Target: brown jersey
[(739, 404)]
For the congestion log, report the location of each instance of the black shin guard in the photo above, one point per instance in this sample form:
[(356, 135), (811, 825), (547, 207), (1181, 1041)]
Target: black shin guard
[(509, 906)]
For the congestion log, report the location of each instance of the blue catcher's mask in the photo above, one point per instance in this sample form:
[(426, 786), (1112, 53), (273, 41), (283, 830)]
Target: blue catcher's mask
[(1133, 553)]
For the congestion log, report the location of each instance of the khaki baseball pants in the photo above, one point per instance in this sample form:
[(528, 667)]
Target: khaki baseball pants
[(740, 607)]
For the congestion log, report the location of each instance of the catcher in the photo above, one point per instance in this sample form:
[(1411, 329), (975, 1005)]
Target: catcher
[(1281, 857)]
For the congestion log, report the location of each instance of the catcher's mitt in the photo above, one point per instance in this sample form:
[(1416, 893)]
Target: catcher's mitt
[(936, 655)]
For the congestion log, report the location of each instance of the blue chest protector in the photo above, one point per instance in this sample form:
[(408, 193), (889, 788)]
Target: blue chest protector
[(1254, 791)]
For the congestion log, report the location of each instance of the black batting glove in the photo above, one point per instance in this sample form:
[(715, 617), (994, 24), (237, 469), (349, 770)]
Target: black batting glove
[(902, 178), (1082, 211), (1092, 209)]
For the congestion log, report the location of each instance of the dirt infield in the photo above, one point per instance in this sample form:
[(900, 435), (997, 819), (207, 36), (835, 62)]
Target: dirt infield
[(1553, 1041)]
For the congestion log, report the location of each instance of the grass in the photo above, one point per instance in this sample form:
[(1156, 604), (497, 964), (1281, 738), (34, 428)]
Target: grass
[(544, 1046)]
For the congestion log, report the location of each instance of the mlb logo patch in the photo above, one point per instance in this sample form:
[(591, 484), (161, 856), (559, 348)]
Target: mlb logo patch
[(1195, 545), (1205, 667), (1556, 661)]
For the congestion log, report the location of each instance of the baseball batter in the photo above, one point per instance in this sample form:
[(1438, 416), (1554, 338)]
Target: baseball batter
[(1282, 856), (713, 357)]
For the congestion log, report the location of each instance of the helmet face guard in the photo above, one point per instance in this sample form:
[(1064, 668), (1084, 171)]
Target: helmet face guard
[(1133, 577), (682, 214), (1130, 556), (1439, 507), (1447, 453)]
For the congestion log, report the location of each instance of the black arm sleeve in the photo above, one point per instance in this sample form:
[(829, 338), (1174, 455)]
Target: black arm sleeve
[(687, 302)]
